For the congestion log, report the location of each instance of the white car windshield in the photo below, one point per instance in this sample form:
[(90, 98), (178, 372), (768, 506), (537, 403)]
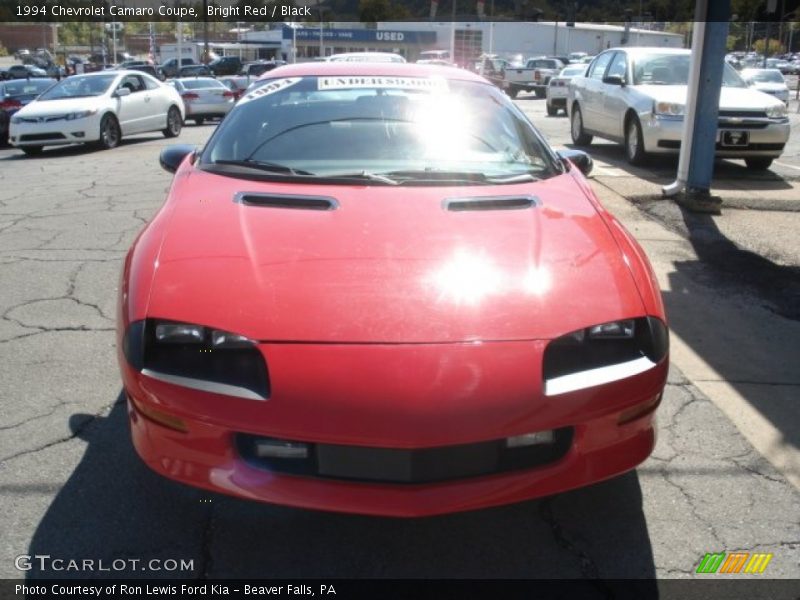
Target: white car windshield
[(329, 126), (80, 86), (673, 69)]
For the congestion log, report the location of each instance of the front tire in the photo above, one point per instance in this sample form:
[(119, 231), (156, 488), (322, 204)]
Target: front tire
[(540, 93), (199, 121), (634, 142), (32, 150), (758, 163), (579, 136), (552, 111), (110, 134), (513, 91), (173, 123)]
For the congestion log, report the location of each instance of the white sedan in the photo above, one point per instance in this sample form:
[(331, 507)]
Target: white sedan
[(97, 108), (769, 81)]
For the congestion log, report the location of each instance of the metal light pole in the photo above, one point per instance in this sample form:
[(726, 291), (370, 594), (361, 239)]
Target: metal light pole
[(453, 33)]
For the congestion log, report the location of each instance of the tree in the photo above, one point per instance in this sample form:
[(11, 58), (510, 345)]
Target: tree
[(775, 47)]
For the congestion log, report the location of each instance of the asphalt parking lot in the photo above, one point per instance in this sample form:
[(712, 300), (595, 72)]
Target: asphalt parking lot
[(73, 488)]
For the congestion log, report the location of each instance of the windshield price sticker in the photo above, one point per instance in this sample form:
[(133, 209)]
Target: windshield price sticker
[(270, 88), (407, 83)]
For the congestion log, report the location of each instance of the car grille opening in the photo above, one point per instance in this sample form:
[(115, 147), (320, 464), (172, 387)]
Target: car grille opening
[(287, 201), (403, 466)]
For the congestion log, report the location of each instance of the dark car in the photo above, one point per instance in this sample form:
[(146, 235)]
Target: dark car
[(145, 68), (226, 65), (25, 71), (169, 68), (195, 71), (128, 64), (258, 68), (15, 94)]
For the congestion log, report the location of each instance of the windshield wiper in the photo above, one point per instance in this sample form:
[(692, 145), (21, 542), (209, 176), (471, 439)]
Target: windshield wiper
[(437, 175), (363, 175), (263, 165), (518, 178)]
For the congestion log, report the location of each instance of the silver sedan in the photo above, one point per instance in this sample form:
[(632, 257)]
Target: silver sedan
[(204, 98), (637, 96)]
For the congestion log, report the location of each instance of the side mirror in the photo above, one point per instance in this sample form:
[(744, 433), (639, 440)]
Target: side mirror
[(171, 157), (122, 92), (614, 80), (579, 158)]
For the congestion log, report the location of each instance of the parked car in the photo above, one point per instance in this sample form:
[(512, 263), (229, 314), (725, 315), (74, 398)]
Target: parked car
[(195, 71), (25, 71), (145, 68), (769, 81), (406, 224), (237, 84), (204, 98), (226, 65), (390, 57), (98, 108), (577, 57), (637, 96), (14, 95), (534, 76), (169, 68), (259, 67), (134, 63), (558, 88)]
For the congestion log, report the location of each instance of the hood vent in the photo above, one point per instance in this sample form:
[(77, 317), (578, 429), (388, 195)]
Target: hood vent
[(490, 203), (286, 201)]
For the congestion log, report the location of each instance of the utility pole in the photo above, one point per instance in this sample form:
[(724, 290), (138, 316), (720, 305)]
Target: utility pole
[(453, 33)]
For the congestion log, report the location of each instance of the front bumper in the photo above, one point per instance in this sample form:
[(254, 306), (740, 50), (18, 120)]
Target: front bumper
[(364, 397), (765, 138), (56, 132)]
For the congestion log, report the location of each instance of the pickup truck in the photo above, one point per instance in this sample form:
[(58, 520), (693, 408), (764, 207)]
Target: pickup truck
[(534, 76)]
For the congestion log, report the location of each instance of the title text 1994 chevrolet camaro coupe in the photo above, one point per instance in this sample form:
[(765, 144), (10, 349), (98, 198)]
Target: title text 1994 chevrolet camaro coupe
[(377, 290)]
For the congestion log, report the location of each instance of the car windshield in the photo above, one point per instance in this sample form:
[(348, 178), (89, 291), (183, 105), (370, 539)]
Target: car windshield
[(673, 69), (25, 87), (411, 127), (80, 86), (764, 76), (572, 71)]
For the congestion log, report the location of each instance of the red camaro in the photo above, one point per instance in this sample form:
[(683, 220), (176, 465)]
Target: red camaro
[(378, 290)]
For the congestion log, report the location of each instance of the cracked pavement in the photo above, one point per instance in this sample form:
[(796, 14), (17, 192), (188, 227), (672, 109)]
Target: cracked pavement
[(73, 487)]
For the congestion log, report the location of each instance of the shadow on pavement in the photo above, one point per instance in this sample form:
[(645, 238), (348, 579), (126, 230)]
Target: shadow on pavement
[(77, 149), (757, 359), (728, 174), (113, 507)]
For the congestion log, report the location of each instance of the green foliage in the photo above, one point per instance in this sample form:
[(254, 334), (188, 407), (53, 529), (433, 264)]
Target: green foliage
[(775, 47), (3, 51)]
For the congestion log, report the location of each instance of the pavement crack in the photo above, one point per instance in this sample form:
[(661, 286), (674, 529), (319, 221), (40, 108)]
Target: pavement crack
[(103, 412), (36, 417), (587, 565)]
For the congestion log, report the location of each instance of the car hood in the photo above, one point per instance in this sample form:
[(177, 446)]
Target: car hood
[(772, 87), (730, 98), (389, 264), (41, 108)]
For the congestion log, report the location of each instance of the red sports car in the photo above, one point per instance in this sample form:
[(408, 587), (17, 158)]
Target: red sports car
[(377, 290)]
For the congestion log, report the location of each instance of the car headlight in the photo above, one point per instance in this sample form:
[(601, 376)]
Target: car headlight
[(778, 111), (82, 114), (197, 357), (669, 109), (16, 120), (603, 353)]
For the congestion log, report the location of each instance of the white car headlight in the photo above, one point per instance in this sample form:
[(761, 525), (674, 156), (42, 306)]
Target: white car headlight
[(82, 114), (671, 109), (777, 111)]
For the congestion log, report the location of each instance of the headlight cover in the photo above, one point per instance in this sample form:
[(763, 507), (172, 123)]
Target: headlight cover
[(669, 109), (82, 114), (603, 353), (777, 111), (197, 357)]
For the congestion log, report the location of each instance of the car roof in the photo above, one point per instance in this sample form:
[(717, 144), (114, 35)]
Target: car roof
[(387, 69), (639, 50)]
